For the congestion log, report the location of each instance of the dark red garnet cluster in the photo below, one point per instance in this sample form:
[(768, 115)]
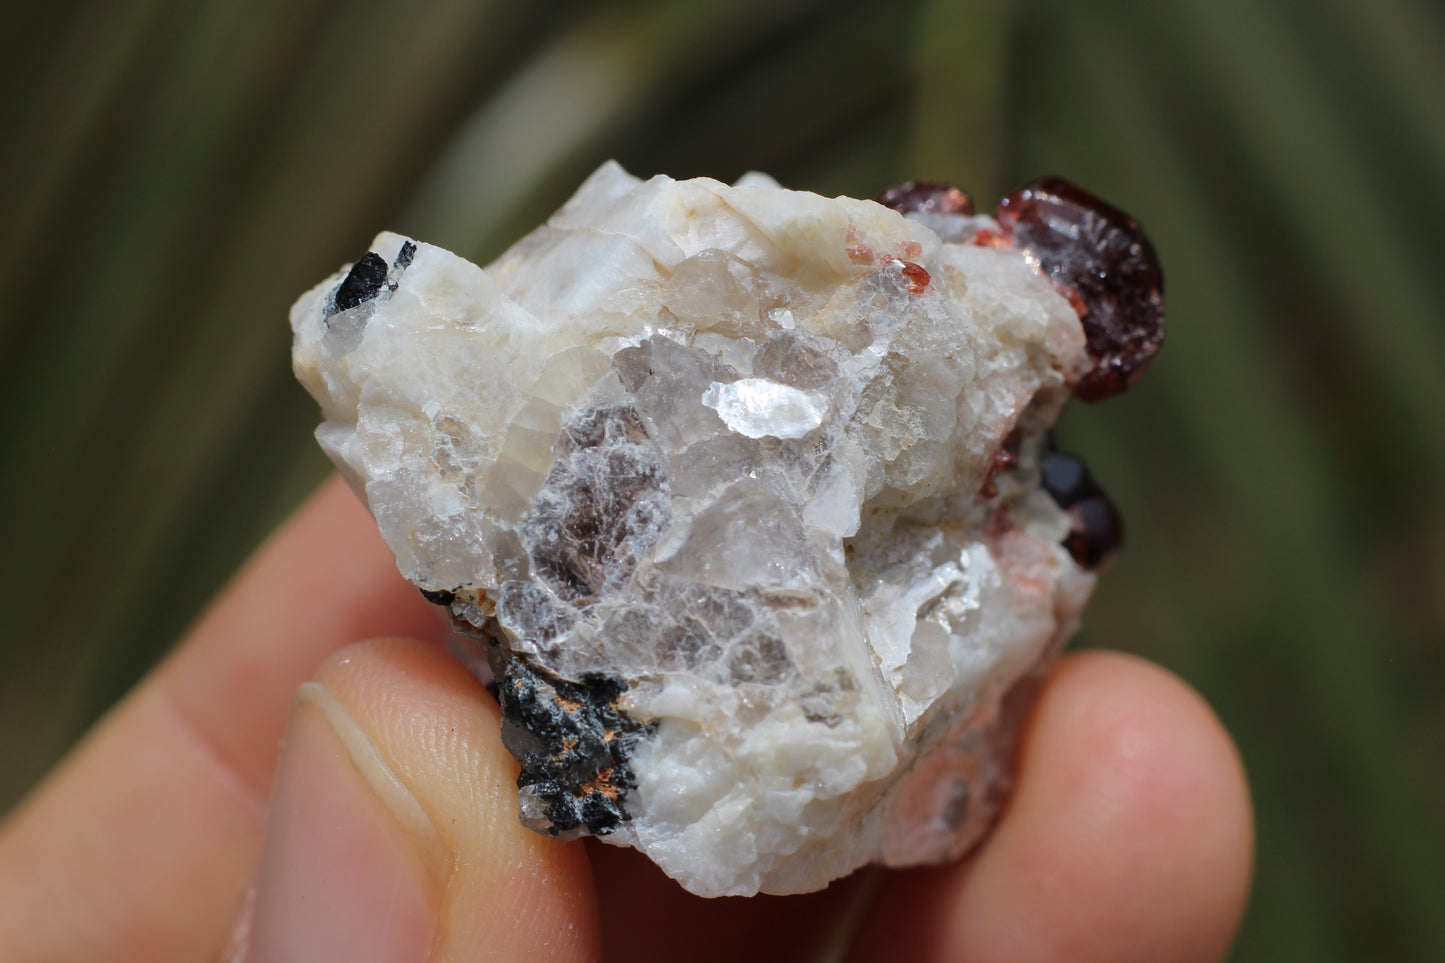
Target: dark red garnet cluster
[(1106, 267), (1097, 254)]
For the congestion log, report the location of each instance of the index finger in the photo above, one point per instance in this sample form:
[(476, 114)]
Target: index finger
[(324, 580), (140, 845)]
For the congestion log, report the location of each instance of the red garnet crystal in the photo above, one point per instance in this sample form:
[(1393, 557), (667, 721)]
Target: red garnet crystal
[(1101, 255), (927, 198)]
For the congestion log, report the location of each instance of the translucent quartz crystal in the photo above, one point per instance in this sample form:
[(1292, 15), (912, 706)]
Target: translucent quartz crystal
[(738, 492)]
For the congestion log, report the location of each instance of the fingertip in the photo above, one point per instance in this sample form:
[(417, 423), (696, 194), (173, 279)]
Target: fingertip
[(507, 889), (323, 579), (380, 672), (1134, 823), (1129, 836)]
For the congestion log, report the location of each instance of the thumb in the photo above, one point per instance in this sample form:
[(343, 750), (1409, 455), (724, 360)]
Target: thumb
[(393, 832)]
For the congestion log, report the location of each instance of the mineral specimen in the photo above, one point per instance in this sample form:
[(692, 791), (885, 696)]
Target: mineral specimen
[(747, 497)]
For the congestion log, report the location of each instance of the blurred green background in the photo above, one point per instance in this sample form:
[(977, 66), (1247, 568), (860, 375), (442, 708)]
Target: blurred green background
[(174, 172)]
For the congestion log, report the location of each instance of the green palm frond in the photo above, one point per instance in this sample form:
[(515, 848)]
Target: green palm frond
[(174, 174)]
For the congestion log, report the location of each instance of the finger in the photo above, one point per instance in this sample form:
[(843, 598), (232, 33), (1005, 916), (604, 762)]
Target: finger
[(325, 580), (1129, 837), (393, 834), (141, 844)]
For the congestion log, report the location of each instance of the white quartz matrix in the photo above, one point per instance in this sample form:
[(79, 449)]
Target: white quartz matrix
[(712, 475)]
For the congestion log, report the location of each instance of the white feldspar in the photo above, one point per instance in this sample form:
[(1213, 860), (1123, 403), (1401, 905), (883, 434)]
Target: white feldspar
[(708, 473)]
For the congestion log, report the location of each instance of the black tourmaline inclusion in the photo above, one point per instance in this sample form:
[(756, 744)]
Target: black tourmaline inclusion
[(439, 596), (1100, 254), (1096, 530), (574, 744), (362, 283)]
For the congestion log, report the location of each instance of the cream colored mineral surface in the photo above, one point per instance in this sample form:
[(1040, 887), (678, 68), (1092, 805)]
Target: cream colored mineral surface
[(711, 475)]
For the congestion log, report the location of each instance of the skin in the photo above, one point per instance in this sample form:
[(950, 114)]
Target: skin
[(382, 826)]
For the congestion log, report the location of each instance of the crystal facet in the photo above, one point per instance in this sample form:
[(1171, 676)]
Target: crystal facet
[(1102, 258)]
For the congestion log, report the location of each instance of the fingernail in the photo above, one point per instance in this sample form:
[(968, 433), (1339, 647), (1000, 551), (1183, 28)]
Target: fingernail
[(348, 868)]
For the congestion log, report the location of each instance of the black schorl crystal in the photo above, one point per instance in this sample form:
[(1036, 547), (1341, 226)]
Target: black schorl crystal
[(1065, 477), (573, 743), (1101, 255), (1096, 531), (363, 282)]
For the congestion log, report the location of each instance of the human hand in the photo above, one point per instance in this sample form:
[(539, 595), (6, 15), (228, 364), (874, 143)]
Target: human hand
[(391, 831)]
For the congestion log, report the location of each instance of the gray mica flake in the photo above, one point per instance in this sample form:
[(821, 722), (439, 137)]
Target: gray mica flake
[(603, 506)]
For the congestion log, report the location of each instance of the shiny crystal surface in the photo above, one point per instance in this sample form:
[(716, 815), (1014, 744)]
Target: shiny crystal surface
[(1103, 258)]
